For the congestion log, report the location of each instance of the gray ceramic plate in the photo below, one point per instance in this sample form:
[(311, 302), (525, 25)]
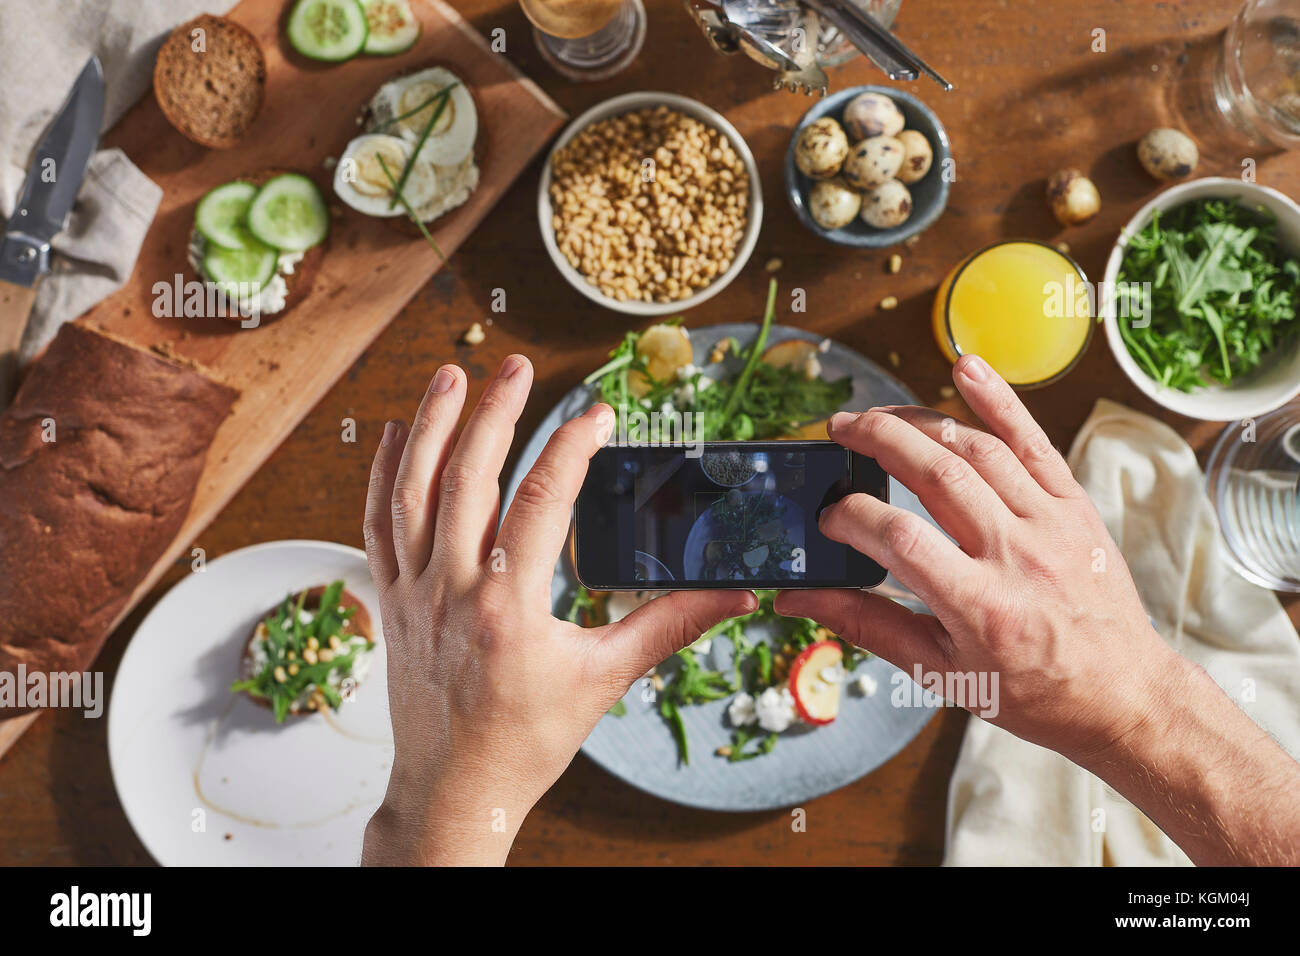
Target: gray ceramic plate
[(929, 196), (638, 746)]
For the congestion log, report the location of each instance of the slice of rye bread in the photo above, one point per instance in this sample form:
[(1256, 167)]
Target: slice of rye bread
[(365, 118), (303, 277), (358, 624), (213, 94), (85, 516)]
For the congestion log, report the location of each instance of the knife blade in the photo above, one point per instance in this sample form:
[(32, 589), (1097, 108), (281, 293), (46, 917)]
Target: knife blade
[(53, 181)]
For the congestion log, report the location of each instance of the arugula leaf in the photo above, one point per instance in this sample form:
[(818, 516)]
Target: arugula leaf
[(1223, 294)]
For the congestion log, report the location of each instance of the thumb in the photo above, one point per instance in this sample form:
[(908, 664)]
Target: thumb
[(874, 623), (659, 628)]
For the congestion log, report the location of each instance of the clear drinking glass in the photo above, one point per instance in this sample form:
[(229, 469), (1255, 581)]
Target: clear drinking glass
[(833, 49), (587, 39), (1253, 479), (1256, 83)]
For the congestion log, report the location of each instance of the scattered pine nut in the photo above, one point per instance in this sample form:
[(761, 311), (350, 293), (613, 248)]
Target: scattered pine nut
[(895, 360), (1063, 248), (474, 335), (723, 751), (309, 656), (947, 392), (895, 264), (658, 682), (280, 675), (773, 265), (889, 302), (293, 670)]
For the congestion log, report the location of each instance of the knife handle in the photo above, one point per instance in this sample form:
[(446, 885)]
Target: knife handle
[(15, 306)]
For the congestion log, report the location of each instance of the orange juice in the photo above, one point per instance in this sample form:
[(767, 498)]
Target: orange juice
[(1022, 306)]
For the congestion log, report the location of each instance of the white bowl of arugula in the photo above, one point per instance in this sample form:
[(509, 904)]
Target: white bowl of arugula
[(1201, 299)]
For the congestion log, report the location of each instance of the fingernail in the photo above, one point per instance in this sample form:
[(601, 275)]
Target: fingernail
[(843, 420), (390, 432), (443, 380), (604, 425), (976, 369), (512, 364), (886, 408)]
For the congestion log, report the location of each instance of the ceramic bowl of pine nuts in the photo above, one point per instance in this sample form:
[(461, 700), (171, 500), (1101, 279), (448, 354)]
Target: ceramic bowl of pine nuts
[(650, 203)]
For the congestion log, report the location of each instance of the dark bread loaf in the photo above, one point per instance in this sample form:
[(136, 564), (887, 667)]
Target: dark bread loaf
[(211, 95), (84, 518)]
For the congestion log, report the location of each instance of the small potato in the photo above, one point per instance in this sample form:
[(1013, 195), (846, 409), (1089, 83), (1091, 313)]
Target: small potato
[(1073, 197), (821, 148), (917, 156), (833, 204), (1168, 154), (887, 206), (873, 162), (872, 114)]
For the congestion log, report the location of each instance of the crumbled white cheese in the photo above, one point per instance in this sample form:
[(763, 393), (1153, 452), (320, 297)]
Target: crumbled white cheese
[(812, 369), (824, 346), (775, 709), (834, 674), (867, 685), (741, 710), (287, 260)]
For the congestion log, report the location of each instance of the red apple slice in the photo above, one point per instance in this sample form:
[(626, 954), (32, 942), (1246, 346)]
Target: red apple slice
[(817, 700)]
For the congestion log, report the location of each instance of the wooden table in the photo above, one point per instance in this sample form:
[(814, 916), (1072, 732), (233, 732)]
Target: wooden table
[(1032, 96)]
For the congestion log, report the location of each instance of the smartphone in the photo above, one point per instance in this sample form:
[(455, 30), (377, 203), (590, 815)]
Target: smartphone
[(720, 515)]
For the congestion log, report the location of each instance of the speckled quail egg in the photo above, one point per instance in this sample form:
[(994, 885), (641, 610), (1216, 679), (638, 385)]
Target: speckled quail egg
[(887, 206), (821, 148), (874, 161), (872, 114), (1168, 154), (1073, 197), (917, 156), (833, 203)]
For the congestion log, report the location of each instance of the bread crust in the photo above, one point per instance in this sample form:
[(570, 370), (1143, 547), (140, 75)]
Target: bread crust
[(83, 518), (360, 625), (213, 96)]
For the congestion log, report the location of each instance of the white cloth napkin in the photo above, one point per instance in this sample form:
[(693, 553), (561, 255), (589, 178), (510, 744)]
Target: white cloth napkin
[(1014, 803), (43, 47)]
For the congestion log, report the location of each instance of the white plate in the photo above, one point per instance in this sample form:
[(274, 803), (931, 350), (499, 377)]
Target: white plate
[(207, 777)]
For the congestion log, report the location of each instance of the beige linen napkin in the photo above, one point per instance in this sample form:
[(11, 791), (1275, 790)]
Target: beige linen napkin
[(1014, 803), (43, 47)]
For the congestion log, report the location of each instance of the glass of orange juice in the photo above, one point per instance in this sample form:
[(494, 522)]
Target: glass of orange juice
[(1023, 306)]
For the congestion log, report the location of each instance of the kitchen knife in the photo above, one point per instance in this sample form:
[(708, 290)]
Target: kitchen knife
[(53, 181)]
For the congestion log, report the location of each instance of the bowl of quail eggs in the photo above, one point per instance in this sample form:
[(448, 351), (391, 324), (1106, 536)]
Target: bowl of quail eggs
[(869, 167)]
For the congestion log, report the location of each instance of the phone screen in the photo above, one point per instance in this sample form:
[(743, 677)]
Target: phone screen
[(724, 514)]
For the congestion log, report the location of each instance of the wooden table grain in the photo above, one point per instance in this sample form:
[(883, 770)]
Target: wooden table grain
[(1034, 93)]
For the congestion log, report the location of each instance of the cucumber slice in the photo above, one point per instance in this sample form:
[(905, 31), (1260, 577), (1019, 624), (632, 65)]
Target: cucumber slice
[(253, 266), (289, 213), (393, 27), (221, 214), (330, 30)]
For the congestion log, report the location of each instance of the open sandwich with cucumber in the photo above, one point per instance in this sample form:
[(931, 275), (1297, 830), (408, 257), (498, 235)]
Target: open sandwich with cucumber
[(260, 240)]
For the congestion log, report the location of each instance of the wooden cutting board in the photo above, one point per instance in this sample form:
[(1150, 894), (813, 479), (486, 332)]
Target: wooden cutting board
[(371, 269)]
